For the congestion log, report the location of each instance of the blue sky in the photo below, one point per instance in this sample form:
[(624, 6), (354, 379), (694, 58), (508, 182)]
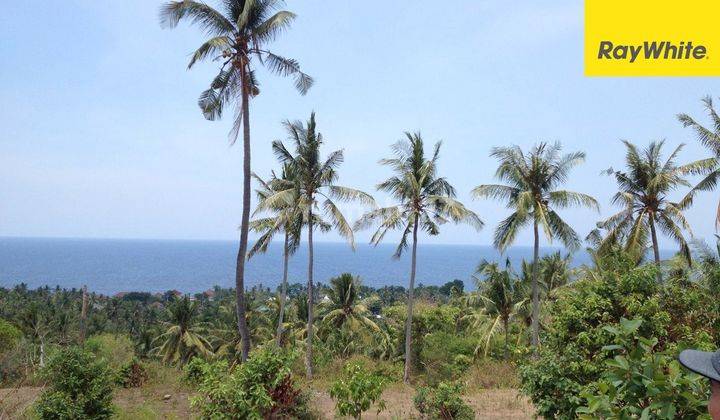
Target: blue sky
[(101, 135)]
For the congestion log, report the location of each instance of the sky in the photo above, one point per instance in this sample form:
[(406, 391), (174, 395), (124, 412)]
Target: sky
[(102, 137)]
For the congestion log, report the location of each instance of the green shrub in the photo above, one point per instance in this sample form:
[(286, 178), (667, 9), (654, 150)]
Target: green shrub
[(262, 387), (9, 336), (198, 369), (572, 355), (642, 383), (133, 374), (443, 402), (79, 386), (446, 356), (357, 391), (116, 349)]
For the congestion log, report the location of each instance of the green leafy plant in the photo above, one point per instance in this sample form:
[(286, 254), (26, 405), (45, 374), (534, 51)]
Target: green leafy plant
[(9, 336), (642, 383), (446, 356), (572, 356), (262, 387), (355, 393), (133, 374), (79, 386), (443, 402)]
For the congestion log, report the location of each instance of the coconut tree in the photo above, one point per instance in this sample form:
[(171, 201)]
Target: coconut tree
[(555, 270), (285, 218), (315, 189), (239, 33), (710, 138), (530, 192), (344, 306), (644, 189), (425, 201), (184, 336), (501, 295)]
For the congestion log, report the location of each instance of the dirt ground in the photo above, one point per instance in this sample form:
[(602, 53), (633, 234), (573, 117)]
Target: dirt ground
[(150, 402)]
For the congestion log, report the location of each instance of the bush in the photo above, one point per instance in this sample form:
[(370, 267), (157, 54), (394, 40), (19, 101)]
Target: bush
[(443, 402), (357, 391), (79, 386), (446, 356), (572, 355), (262, 387), (133, 374), (116, 349), (642, 383), (9, 336)]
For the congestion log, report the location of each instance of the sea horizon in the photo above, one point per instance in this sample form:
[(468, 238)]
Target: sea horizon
[(111, 266)]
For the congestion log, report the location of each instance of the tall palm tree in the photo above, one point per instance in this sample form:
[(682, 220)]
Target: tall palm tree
[(314, 186), (184, 337), (239, 33), (530, 192), (643, 194), (425, 201), (286, 219), (709, 138)]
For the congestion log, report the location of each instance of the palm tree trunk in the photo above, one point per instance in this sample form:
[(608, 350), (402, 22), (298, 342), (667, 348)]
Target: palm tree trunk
[(656, 250), (283, 292), (411, 301), (83, 315), (244, 224), (535, 291), (308, 344), (507, 337)]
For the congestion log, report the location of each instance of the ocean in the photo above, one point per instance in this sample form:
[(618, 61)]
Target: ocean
[(110, 266)]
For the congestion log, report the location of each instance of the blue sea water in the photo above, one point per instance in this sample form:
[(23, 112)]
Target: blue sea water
[(110, 265)]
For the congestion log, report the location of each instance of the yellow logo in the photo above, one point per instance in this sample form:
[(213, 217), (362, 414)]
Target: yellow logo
[(652, 38)]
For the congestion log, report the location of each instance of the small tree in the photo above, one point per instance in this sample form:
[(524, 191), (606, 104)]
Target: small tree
[(79, 387), (262, 387), (443, 402), (357, 392)]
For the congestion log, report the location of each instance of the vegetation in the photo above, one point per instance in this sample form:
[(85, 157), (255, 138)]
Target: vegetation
[(443, 402), (425, 201), (530, 191), (357, 391), (314, 184), (80, 387), (610, 331), (644, 190), (239, 35), (262, 387)]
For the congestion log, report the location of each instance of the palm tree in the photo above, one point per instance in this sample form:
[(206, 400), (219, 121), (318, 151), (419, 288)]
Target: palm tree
[(183, 339), (709, 138), (501, 294), (555, 271), (286, 219), (314, 181), (424, 202), (345, 307), (644, 190), (238, 33), (530, 191)]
